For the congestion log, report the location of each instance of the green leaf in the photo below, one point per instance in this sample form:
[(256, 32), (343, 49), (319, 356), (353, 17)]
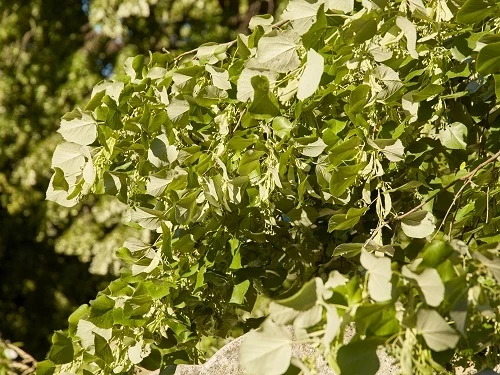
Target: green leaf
[(475, 10), (306, 297), (264, 104), (488, 59), (268, 351), (454, 136), (430, 283), (278, 52), (239, 291), (435, 253), (380, 274), (344, 151), (364, 28), (333, 323), (358, 357), (265, 21), (59, 182), (309, 81), (438, 335), (282, 126), (427, 92), (161, 153), (379, 319), (346, 221), (358, 98), (418, 224), (250, 163), (102, 348), (348, 250), (62, 348), (46, 367), (282, 314), (343, 178), (79, 128)]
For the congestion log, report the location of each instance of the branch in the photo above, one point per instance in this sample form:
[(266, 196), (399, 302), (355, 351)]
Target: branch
[(468, 178)]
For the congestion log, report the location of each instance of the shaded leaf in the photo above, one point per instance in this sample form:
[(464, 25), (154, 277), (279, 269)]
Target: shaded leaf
[(418, 224), (438, 335)]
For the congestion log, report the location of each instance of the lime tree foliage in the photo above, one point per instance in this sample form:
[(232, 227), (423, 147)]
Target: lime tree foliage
[(51, 57), (339, 161)]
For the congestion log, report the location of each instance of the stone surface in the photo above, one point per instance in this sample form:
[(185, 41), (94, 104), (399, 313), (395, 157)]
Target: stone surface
[(225, 361)]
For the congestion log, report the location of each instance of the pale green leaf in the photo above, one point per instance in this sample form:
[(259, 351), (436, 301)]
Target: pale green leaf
[(267, 351), (454, 136), (410, 33), (380, 273), (302, 14), (139, 351), (430, 283), (161, 153), (61, 196), (309, 318), (147, 218), (282, 126), (278, 52), (418, 224), (346, 6), (178, 111), (265, 20), (333, 323), (147, 264), (80, 130), (309, 81), (313, 149), (392, 149), (438, 335), (245, 90), (220, 77), (70, 157), (282, 314)]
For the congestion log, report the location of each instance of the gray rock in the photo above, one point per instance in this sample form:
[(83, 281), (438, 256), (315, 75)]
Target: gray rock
[(226, 361)]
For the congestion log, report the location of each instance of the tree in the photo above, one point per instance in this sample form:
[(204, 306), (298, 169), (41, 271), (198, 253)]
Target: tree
[(340, 162), (51, 58)]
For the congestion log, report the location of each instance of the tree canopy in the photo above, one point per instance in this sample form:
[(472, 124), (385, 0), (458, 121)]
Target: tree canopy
[(51, 57), (339, 162)]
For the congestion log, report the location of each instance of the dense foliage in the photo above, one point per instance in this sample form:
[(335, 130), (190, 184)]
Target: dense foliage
[(341, 162), (50, 59)]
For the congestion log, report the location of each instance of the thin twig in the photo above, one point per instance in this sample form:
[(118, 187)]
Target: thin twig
[(468, 176)]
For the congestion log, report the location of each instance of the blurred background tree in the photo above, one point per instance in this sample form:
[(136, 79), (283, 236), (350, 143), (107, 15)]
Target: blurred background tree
[(52, 54)]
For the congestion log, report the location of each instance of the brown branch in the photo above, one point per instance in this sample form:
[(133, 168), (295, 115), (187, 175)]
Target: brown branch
[(468, 178)]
